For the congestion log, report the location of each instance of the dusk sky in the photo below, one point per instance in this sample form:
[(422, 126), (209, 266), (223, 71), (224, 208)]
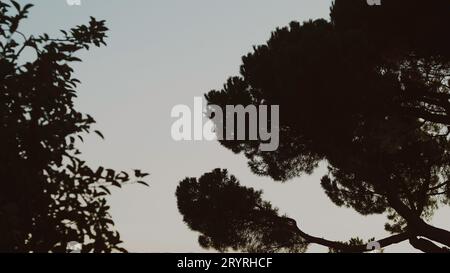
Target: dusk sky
[(164, 53)]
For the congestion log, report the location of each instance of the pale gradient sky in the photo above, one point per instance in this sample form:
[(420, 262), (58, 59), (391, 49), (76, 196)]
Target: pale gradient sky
[(163, 53)]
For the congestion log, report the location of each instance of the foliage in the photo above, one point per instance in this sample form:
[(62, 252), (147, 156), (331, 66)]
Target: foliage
[(370, 98), (232, 217), (49, 195)]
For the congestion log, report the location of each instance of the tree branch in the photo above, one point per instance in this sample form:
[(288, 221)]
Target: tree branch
[(426, 115), (426, 246), (439, 186), (394, 239)]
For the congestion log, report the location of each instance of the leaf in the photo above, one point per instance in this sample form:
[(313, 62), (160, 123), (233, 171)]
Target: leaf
[(100, 194), (123, 176), (121, 249), (73, 59), (27, 7), (140, 174), (143, 183), (110, 174), (16, 5), (105, 189), (99, 172), (116, 184), (99, 134)]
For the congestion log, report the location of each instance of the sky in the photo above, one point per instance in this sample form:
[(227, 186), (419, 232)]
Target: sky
[(164, 53)]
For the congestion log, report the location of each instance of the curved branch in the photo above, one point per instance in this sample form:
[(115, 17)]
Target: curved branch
[(426, 246), (394, 239), (415, 223), (439, 186)]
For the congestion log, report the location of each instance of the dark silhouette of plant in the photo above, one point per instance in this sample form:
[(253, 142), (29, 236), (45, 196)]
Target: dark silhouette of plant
[(410, 43), (49, 196), (369, 102), (233, 217)]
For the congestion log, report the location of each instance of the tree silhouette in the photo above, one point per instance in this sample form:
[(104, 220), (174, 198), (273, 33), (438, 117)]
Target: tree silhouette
[(369, 102), (233, 217), (49, 197)]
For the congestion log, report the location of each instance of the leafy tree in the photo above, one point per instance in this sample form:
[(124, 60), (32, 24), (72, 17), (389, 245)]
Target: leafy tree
[(369, 102), (233, 217), (49, 196)]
